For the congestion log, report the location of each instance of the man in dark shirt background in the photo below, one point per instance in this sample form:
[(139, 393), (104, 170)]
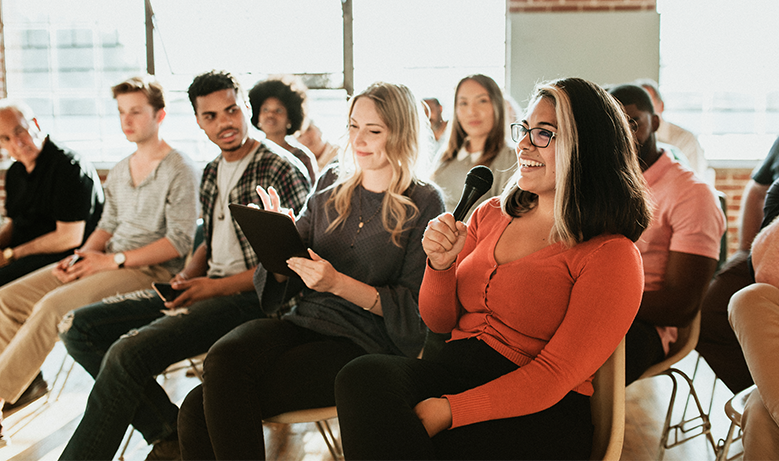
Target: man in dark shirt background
[(53, 197)]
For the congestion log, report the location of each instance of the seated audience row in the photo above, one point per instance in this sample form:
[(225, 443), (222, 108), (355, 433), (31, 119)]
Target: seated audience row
[(143, 236), (569, 211), (125, 341)]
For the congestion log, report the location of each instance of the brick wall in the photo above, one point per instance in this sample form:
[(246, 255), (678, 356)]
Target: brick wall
[(2, 56), (547, 6), (732, 181)]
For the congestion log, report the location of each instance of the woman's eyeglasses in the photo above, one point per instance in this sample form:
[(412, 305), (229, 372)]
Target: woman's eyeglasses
[(539, 137)]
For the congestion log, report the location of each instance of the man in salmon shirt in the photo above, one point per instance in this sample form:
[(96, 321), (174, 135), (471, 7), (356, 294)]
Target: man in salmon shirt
[(680, 248)]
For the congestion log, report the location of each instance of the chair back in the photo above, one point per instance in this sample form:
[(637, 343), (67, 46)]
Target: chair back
[(723, 244), (685, 343), (608, 407), (734, 407)]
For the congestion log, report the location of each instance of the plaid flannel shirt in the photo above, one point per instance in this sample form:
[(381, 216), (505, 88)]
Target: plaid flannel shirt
[(266, 169)]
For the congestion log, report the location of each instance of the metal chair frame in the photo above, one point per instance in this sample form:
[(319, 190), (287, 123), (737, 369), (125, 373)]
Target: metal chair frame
[(688, 428), (734, 408)]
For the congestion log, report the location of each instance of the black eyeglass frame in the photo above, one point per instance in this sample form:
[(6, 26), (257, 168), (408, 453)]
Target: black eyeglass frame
[(518, 131)]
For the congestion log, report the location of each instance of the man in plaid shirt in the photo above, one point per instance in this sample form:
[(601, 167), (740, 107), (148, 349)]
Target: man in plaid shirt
[(127, 340)]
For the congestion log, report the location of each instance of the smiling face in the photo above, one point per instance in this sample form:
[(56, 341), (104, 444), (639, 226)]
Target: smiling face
[(220, 114), (140, 121), (474, 109), (536, 164), (274, 119), (368, 135), (19, 136)]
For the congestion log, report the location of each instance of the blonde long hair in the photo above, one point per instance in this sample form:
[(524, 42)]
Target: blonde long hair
[(401, 113)]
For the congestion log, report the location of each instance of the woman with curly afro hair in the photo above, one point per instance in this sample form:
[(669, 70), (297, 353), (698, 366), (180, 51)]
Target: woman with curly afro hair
[(278, 109)]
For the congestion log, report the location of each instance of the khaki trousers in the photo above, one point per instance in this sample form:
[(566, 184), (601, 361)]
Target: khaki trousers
[(754, 315), (31, 308)]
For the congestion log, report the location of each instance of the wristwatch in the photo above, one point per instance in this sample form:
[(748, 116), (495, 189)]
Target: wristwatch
[(119, 259), (8, 254)]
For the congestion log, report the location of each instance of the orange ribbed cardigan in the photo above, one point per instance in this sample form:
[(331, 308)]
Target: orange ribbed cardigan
[(558, 313)]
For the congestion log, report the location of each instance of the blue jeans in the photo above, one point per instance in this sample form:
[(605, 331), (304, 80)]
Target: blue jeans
[(124, 342)]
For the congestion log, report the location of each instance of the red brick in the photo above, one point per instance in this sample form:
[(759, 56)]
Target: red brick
[(561, 9), (535, 9)]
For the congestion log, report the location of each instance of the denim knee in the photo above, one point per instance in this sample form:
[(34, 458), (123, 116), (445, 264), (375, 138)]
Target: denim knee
[(65, 325), (126, 354)]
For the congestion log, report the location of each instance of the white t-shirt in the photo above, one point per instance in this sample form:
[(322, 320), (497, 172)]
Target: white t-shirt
[(226, 256)]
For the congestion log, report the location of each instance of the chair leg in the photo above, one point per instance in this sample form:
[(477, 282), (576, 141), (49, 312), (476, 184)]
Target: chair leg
[(60, 382), (723, 446), (713, 388), (126, 444), (332, 443), (680, 429)]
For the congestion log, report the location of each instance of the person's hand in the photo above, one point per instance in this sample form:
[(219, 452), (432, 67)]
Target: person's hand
[(317, 273), (180, 277), (3, 261), (435, 414), (197, 289), (443, 240), (90, 262), (271, 202)]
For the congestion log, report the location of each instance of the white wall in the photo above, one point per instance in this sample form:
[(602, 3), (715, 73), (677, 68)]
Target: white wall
[(606, 48)]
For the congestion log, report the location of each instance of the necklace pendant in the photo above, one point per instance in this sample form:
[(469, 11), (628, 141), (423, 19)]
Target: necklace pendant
[(361, 224)]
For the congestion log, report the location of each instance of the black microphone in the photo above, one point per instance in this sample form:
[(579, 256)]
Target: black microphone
[(477, 183)]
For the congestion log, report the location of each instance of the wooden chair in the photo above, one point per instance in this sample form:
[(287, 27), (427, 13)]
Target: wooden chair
[(608, 407), (686, 342), (734, 408), (320, 416)]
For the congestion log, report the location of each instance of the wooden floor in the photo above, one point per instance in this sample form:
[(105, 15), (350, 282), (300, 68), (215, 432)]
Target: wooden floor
[(40, 431)]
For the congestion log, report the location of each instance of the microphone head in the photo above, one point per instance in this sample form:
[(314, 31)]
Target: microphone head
[(480, 178), (477, 183)]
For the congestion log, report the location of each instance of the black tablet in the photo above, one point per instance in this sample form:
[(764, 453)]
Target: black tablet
[(273, 236)]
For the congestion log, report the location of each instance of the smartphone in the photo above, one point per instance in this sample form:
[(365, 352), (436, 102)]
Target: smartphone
[(73, 260), (166, 292)]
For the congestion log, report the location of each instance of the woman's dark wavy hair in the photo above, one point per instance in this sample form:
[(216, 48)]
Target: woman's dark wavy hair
[(291, 93), (599, 188)]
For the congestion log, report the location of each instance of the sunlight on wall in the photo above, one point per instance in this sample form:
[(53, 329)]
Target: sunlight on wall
[(719, 73)]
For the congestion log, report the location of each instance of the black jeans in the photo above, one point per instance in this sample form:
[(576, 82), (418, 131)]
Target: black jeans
[(376, 396), (643, 348), (260, 369), (717, 342)]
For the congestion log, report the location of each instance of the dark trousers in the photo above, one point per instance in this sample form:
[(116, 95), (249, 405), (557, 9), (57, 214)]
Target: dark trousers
[(376, 396), (717, 343), (23, 266), (643, 348), (124, 342), (260, 369)]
